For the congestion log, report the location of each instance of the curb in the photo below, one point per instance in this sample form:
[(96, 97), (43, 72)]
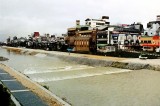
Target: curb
[(15, 101)]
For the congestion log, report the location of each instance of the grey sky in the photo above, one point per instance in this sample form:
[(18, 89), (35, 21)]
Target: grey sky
[(23, 17)]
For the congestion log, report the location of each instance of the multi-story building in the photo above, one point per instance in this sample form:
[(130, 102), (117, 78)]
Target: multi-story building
[(98, 34), (127, 36), (95, 23), (151, 39), (150, 43), (153, 27)]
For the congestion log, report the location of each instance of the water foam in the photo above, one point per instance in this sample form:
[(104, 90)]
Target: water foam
[(40, 80), (40, 55), (30, 71), (57, 69)]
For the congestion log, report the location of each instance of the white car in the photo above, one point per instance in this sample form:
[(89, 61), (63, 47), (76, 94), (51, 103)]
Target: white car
[(157, 50), (143, 56)]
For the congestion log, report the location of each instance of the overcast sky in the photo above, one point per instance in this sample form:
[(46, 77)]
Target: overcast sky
[(23, 17)]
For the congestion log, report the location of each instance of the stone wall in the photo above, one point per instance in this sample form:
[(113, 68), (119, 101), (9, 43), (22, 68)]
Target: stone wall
[(107, 63)]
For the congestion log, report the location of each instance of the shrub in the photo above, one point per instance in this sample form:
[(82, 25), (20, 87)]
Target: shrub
[(45, 86), (5, 97)]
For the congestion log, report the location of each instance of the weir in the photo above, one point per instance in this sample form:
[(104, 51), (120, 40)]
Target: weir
[(78, 76)]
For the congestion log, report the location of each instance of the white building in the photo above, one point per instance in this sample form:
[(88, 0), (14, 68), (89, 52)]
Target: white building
[(95, 23), (153, 27)]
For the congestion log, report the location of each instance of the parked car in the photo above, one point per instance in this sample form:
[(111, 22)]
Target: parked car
[(158, 50), (143, 56)]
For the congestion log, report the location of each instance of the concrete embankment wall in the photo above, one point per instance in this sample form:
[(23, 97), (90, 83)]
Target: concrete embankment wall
[(88, 61), (108, 63)]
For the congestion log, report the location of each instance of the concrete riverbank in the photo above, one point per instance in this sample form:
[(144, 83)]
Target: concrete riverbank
[(19, 94), (47, 96), (94, 60)]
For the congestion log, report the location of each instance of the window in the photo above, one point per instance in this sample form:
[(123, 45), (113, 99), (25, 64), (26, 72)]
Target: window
[(145, 33), (141, 41), (149, 41), (114, 41), (147, 47), (82, 42), (99, 23), (145, 41), (115, 38), (87, 43), (102, 42)]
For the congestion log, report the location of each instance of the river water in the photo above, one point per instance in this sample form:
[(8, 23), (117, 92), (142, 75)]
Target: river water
[(83, 85)]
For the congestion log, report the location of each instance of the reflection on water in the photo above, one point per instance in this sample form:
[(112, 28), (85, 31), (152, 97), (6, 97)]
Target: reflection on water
[(83, 85)]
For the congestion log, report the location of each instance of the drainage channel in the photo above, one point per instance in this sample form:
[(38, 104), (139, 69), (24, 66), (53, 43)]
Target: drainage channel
[(23, 95)]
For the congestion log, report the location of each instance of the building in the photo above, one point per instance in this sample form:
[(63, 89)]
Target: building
[(126, 36), (150, 43), (153, 27), (83, 38), (95, 23)]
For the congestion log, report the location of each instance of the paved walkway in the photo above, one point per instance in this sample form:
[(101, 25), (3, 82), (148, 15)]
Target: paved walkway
[(23, 95)]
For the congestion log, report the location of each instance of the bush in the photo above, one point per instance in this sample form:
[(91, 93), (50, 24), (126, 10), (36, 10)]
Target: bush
[(5, 97), (45, 86)]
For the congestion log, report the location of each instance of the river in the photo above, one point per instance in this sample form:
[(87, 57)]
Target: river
[(83, 85)]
